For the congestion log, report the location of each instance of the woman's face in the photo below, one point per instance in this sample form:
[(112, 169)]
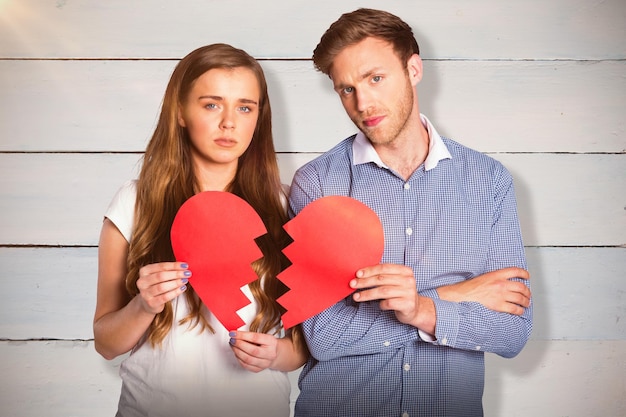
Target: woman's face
[(220, 115)]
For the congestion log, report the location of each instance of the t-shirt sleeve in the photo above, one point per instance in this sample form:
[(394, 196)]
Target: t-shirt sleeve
[(121, 210)]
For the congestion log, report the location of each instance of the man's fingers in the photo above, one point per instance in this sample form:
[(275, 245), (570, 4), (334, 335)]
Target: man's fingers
[(371, 281), (383, 292), (517, 288), (513, 272), (519, 299), (383, 269)]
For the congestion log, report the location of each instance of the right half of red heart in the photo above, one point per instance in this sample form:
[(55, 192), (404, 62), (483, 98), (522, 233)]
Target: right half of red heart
[(333, 237)]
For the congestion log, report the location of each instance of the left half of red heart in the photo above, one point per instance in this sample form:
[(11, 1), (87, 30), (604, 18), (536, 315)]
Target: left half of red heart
[(214, 232)]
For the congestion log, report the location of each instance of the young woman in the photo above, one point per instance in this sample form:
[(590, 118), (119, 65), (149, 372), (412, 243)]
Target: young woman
[(213, 134)]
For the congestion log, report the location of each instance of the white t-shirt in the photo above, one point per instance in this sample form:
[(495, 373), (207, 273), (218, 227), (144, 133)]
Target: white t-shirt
[(194, 373)]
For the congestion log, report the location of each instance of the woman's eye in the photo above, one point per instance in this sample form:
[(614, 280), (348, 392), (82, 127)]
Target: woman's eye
[(245, 109), (211, 106)]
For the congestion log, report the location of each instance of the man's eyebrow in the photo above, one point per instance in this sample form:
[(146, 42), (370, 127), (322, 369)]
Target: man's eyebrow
[(366, 74), (370, 73)]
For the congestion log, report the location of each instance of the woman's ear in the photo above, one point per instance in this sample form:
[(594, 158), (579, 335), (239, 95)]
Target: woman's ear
[(415, 68), (181, 120)]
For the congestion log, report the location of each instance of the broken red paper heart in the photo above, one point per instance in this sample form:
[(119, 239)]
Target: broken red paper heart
[(214, 232), (333, 237)]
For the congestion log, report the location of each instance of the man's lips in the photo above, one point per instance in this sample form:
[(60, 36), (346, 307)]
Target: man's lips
[(373, 121)]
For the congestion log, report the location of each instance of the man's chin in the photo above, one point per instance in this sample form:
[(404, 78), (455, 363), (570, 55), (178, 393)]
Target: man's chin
[(375, 138)]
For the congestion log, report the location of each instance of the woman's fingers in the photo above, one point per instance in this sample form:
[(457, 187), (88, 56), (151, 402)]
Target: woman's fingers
[(161, 282), (254, 351)]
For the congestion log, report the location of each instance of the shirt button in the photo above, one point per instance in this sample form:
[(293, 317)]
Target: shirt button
[(444, 341), (405, 414), (407, 367), (386, 343), (407, 186), (409, 231)]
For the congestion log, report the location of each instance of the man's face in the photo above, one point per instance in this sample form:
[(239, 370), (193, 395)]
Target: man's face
[(375, 88)]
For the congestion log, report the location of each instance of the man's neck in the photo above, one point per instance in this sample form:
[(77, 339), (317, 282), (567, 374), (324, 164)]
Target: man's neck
[(405, 154)]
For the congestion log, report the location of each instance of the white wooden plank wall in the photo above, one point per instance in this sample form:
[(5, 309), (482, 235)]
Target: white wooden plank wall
[(539, 85)]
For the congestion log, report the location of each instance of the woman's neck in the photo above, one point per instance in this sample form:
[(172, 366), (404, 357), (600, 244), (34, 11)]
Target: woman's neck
[(215, 177)]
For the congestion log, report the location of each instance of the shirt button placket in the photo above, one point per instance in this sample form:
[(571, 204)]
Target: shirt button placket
[(408, 230)]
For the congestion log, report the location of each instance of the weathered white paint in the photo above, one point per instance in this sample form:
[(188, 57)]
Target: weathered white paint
[(570, 200), (60, 284), (578, 293), (557, 378), (538, 85), (563, 199), (58, 199), (57, 378), (524, 106), (579, 378), (455, 29)]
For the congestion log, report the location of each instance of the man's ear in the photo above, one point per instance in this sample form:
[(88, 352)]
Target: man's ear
[(181, 120), (415, 69)]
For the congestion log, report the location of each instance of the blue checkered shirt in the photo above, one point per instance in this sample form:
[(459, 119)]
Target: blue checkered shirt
[(453, 219)]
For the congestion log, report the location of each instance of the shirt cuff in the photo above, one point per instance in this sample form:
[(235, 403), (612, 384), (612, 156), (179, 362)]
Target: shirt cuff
[(426, 337)]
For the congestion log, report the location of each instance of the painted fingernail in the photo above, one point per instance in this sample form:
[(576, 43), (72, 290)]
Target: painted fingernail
[(231, 341), (185, 280), (183, 265), (232, 334), (187, 273), (183, 288)]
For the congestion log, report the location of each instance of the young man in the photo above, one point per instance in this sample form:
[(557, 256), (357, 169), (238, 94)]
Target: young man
[(452, 285)]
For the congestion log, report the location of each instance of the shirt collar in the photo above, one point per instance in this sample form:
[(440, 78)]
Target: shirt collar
[(363, 151)]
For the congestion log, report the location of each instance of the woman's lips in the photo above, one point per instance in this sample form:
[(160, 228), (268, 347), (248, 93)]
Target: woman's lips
[(225, 142)]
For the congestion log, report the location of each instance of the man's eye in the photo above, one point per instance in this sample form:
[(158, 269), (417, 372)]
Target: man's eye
[(347, 90), (376, 78), (211, 106)]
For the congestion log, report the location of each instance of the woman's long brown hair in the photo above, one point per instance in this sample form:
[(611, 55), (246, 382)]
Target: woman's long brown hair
[(167, 180)]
